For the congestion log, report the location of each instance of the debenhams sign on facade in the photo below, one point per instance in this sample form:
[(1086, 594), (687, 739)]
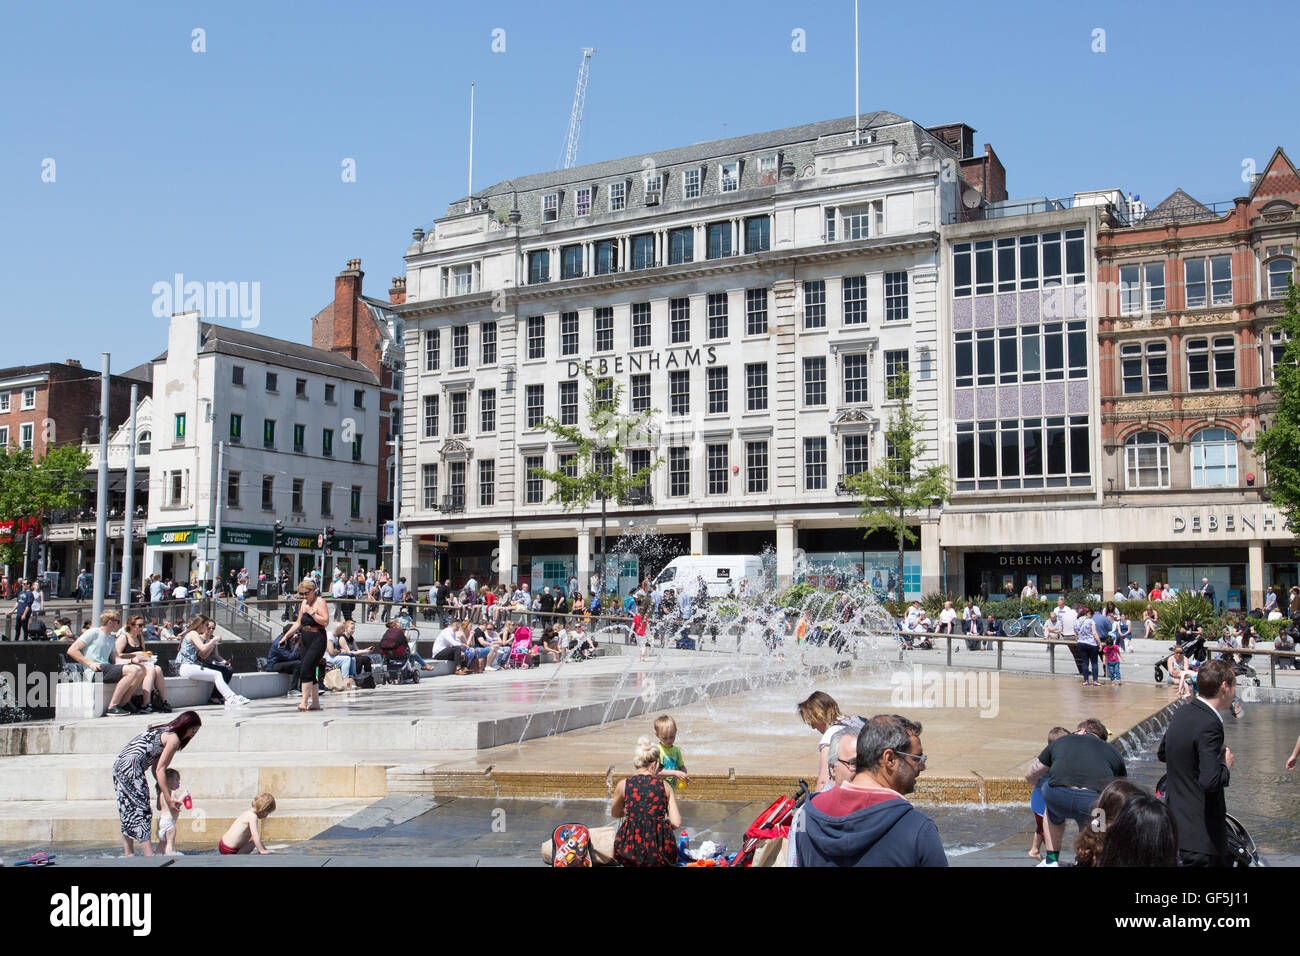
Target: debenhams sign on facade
[(645, 361), (1245, 521)]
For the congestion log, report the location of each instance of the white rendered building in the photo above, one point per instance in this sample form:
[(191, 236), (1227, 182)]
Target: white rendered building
[(300, 428)]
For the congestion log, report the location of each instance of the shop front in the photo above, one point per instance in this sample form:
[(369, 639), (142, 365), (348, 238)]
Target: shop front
[(1227, 570), (840, 557), (1238, 547), (1052, 571), (184, 553)]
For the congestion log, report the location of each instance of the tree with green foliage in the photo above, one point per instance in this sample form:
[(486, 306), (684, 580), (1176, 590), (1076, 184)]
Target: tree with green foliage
[(33, 487), (1279, 444), (899, 486), (596, 468)]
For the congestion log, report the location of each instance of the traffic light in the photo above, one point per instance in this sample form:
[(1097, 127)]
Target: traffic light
[(329, 541), (277, 536)]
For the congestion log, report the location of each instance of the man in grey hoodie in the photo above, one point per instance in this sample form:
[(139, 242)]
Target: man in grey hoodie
[(866, 821)]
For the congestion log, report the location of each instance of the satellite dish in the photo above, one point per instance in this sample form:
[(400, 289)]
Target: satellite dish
[(971, 198)]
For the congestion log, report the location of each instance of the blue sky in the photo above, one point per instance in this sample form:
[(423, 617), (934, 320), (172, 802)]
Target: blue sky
[(226, 165)]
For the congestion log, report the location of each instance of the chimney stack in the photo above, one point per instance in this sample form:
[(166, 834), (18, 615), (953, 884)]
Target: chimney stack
[(74, 363), (397, 294), (347, 290)]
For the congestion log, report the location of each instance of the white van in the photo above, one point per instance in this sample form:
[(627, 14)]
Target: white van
[(721, 573)]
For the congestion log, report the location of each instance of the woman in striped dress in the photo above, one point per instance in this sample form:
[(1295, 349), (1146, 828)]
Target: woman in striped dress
[(151, 751)]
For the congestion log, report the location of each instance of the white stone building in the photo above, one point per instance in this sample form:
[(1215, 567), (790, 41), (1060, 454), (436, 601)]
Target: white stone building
[(758, 291)]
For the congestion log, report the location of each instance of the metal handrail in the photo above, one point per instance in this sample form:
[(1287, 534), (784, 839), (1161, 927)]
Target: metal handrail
[(1052, 643)]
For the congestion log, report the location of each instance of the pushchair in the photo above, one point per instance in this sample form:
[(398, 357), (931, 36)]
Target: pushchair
[(772, 824), (1193, 650), (520, 651), (1241, 846)]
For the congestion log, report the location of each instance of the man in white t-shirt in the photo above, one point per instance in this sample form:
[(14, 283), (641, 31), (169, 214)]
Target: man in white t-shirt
[(947, 618), (1065, 617), (913, 616)]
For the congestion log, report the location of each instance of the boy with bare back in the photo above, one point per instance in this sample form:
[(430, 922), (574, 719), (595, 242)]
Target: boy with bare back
[(243, 836)]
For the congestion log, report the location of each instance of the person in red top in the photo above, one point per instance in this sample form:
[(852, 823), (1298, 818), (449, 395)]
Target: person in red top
[(1155, 594)]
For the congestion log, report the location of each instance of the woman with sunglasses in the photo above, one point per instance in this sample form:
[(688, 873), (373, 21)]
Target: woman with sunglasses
[(130, 648), (198, 659), (313, 618)]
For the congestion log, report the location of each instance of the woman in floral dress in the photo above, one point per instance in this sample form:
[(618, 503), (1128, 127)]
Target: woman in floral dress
[(649, 811)]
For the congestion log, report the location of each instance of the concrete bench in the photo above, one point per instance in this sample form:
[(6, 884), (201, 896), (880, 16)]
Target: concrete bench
[(260, 684), (78, 699)]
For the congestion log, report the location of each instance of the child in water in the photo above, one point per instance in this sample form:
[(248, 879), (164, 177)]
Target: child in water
[(168, 817), (243, 834), (671, 763)]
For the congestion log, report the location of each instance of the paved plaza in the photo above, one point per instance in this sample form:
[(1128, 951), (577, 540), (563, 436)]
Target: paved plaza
[(418, 769)]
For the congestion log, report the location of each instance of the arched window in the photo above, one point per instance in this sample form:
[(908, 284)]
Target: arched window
[(1279, 276), (1146, 460), (144, 443), (1214, 458)]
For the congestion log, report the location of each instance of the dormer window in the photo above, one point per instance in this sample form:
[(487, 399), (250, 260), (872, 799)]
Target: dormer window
[(653, 189), (767, 169), (617, 196), (550, 207), (729, 175), (583, 204), (692, 180)]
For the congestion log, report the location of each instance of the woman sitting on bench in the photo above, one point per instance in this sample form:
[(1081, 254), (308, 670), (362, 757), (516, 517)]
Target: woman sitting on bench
[(198, 659)]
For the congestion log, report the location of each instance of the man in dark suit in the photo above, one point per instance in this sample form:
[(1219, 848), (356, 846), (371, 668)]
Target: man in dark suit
[(1199, 766), (1207, 590)]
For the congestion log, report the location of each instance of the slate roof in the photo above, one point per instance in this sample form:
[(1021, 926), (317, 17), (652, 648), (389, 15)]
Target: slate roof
[(796, 144), (1178, 206), (225, 340)]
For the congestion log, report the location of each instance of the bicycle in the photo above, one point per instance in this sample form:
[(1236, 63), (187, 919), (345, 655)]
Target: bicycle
[(1029, 625)]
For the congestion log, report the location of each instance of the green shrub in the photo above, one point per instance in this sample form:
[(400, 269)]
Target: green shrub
[(796, 594), (1268, 630), (1182, 607), (933, 602)]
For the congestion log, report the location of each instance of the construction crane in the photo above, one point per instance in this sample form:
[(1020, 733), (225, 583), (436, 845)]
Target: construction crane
[(575, 118)]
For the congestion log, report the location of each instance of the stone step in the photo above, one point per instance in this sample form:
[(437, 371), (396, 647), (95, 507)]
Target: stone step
[(41, 822), (211, 776), (560, 785)]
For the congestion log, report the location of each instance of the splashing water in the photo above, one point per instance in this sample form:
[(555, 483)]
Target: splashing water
[(743, 645)]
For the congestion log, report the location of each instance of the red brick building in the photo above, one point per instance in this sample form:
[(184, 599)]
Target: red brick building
[(58, 403), (1189, 296), (367, 331)]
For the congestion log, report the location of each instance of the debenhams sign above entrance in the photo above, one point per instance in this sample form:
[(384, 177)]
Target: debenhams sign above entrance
[(1241, 521), (645, 361)]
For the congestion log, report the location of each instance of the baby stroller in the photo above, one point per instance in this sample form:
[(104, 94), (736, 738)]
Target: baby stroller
[(520, 650), (772, 824), (1194, 651), (1241, 846)]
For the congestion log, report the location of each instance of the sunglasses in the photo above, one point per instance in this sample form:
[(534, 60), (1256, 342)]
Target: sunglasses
[(920, 757)]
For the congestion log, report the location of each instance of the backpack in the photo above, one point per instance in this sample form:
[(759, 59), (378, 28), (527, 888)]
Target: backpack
[(571, 844)]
